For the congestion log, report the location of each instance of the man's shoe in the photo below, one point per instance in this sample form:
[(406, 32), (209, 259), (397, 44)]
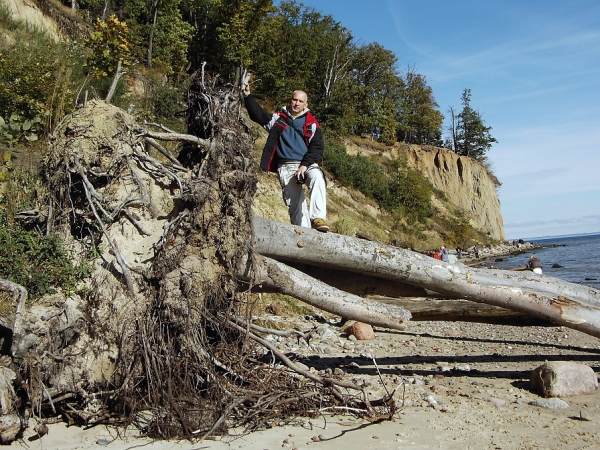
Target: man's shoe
[(320, 225)]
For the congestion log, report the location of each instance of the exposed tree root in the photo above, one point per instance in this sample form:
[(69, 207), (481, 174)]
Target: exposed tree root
[(162, 341)]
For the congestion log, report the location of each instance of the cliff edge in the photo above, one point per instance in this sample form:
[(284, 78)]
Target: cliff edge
[(466, 183)]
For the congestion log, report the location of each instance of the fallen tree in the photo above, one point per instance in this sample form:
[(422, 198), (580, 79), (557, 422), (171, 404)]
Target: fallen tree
[(568, 304), (161, 337)]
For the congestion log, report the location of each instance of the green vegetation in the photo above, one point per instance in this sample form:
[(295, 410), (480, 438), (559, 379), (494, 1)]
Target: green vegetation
[(396, 187), (27, 257), (469, 135), (37, 262), (355, 89)]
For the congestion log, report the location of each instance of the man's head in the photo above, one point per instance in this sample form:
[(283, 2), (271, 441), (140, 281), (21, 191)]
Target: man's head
[(298, 103)]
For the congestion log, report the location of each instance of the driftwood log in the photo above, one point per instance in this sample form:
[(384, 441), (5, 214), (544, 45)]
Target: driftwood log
[(453, 310), (567, 304)]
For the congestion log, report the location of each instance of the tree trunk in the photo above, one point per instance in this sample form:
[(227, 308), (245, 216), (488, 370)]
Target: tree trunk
[(293, 282), (151, 35), (434, 309), (548, 298)]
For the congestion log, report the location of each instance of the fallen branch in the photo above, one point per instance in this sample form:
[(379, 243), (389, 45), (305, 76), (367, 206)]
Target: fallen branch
[(292, 282)]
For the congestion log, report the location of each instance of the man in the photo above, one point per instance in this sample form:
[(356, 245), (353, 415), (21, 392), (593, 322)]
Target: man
[(535, 264), (294, 150)]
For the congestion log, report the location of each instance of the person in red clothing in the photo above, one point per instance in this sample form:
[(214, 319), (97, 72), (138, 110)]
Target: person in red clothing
[(294, 150)]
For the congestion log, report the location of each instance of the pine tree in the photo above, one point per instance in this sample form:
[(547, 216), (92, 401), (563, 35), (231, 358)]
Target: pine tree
[(470, 136)]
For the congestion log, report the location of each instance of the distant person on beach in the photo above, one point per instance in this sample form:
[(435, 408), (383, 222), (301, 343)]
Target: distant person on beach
[(476, 251), (458, 252), (535, 264), (443, 254)]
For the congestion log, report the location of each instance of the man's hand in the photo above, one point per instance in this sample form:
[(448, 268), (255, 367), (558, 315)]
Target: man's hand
[(246, 82), (301, 174)]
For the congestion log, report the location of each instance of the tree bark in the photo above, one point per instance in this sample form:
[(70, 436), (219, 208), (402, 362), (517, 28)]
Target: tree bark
[(548, 298), (287, 280)]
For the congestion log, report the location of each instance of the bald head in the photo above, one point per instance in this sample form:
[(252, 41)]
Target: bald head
[(298, 103)]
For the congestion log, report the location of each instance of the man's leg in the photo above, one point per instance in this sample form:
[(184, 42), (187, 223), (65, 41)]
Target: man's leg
[(293, 195), (318, 199)]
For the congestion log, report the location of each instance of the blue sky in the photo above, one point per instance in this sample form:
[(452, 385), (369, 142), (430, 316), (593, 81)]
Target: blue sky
[(533, 67)]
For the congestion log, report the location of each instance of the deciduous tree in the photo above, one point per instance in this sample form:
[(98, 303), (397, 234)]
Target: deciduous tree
[(420, 121)]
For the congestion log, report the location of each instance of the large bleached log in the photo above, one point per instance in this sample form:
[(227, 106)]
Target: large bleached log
[(290, 281), (568, 304)]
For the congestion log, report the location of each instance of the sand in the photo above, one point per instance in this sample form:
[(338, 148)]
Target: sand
[(460, 385), (466, 386)]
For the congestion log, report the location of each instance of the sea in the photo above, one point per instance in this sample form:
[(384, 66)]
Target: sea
[(574, 258)]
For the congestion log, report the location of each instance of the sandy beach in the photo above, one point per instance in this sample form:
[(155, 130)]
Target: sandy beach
[(458, 385), (463, 385)]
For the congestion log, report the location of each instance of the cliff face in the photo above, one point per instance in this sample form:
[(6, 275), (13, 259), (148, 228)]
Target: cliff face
[(466, 183)]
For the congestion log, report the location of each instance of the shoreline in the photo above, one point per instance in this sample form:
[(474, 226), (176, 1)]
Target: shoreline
[(488, 253)]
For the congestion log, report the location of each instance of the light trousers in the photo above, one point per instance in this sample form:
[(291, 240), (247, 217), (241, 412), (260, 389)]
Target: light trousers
[(293, 193)]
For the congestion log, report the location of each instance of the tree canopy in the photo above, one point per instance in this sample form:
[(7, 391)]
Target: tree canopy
[(353, 87)]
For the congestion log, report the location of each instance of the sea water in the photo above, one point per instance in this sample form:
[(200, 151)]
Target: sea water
[(578, 257)]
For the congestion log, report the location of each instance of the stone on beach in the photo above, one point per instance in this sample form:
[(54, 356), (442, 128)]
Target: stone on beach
[(563, 379), (362, 331)]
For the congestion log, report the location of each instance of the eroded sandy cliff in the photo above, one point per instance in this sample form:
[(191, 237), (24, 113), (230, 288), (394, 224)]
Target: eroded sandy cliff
[(466, 183)]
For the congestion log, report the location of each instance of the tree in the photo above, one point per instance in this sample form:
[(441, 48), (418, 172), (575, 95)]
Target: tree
[(376, 89), (420, 121), (565, 304), (240, 24), (470, 136), (302, 50), (159, 33), (110, 44)]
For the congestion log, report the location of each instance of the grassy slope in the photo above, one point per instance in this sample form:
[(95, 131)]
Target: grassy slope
[(351, 213)]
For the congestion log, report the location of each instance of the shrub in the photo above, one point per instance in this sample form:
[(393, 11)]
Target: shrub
[(27, 257), (37, 262), (398, 189)]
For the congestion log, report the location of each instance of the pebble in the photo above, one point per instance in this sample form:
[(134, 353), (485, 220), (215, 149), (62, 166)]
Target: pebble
[(550, 403), (431, 400), (584, 415), (497, 401), (439, 388)]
